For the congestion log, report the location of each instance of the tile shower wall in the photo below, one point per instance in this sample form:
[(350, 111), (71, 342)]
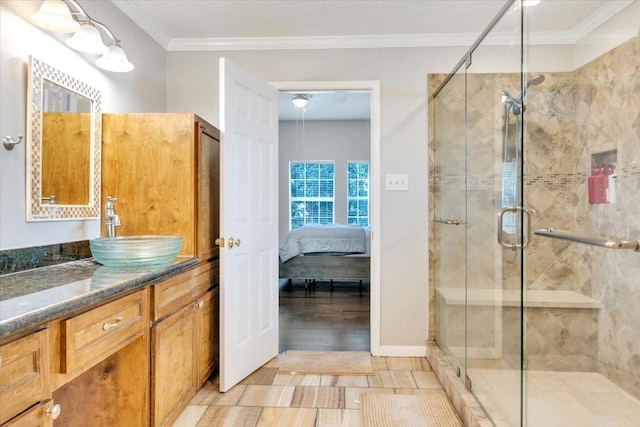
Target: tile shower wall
[(570, 116), (608, 117)]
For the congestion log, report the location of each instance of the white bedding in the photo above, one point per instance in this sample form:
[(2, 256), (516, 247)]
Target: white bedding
[(332, 238)]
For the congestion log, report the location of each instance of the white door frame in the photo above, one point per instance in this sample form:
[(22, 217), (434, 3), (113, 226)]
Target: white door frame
[(372, 86)]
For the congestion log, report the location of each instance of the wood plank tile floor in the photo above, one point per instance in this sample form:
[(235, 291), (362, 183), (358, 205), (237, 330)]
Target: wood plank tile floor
[(311, 319), (267, 398)]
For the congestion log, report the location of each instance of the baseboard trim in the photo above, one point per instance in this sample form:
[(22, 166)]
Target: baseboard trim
[(402, 351)]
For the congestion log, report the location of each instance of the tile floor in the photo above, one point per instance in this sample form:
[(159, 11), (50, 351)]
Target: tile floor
[(555, 399), (267, 398), (312, 317)]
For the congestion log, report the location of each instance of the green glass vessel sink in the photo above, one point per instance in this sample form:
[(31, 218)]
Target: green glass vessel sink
[(126, 251)]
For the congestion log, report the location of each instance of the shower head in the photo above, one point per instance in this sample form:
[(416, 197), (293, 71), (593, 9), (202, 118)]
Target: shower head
[(535, 80), (514, 104), (511, 103)]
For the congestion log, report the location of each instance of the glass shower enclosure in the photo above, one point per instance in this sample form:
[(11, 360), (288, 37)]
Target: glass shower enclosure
[(535, 218)]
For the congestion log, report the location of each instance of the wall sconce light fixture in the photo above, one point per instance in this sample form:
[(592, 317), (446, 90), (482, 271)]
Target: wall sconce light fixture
[(67, 16)]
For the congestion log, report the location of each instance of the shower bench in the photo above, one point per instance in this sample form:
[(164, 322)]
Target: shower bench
[(561, 326)]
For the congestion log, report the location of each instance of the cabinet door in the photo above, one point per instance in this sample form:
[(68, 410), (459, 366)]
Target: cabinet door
[(208, 200), (173, 365), (207, 329), (24, 374), (149, 164)]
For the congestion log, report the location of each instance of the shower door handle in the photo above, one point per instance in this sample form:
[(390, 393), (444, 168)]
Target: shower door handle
[(514, 210)]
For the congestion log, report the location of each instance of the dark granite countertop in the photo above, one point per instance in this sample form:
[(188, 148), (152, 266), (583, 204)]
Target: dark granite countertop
[(31, 298)]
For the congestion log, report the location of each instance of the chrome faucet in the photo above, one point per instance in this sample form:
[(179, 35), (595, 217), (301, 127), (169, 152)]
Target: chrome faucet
[(111, 220)]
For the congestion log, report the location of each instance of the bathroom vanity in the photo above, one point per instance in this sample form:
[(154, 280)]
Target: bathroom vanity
[(106, 346), (85, 344)]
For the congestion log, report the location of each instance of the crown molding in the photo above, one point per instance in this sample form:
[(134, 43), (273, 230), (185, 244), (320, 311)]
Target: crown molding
[(141, 20), (323, 42), (569, 37), (597, 18)]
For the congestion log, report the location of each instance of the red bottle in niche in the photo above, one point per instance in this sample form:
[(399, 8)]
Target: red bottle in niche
[(597, 184)]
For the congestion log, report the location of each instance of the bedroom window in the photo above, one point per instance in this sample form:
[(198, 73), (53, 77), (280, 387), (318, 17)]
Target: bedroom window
[(311, 196), (358, 193)]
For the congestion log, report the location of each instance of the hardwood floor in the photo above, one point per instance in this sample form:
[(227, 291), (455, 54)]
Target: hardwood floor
[(315, 317)]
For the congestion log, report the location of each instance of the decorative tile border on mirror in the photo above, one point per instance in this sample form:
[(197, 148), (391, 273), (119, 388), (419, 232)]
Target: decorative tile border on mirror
[(36, 210)]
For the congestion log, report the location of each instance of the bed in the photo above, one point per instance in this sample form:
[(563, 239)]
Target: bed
[(326, 252)]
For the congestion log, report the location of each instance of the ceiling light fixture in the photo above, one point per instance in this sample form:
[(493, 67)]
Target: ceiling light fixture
[(58, 16), (300, 100)]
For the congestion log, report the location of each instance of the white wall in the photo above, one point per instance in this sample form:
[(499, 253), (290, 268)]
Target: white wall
[(193, 86), (143, 90), (338, 140), (193, 83)]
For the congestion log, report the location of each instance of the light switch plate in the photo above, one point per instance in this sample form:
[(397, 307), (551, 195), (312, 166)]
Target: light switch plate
[(395, 182)]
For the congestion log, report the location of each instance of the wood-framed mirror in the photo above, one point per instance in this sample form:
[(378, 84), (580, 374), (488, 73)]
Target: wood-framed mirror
[(63, 146)]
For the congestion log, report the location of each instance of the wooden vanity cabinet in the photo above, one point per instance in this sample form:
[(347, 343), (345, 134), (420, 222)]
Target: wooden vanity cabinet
[(24, 377), (100, 364), (163, 168), (184, 338), (91, 368)]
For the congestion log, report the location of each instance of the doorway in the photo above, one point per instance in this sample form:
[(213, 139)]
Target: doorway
[(340, 89)]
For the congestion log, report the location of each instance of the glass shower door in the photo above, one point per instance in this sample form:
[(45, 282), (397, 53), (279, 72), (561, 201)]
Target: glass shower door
[(449, 180), (494, 230)]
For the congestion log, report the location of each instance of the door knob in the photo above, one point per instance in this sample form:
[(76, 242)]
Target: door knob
[(231, 241)]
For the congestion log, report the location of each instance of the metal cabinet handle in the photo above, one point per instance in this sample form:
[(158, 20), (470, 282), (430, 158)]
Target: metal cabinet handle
[(108, 325)]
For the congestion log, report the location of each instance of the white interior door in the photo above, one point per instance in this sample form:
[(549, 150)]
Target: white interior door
[(249, 219)]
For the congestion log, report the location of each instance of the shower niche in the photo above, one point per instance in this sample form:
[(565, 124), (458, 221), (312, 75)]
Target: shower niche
[(602, 182)]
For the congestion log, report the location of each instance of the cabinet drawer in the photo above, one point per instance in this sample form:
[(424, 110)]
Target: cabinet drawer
[(177, 291), (90, 337), (24, 377), (37, 416)]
